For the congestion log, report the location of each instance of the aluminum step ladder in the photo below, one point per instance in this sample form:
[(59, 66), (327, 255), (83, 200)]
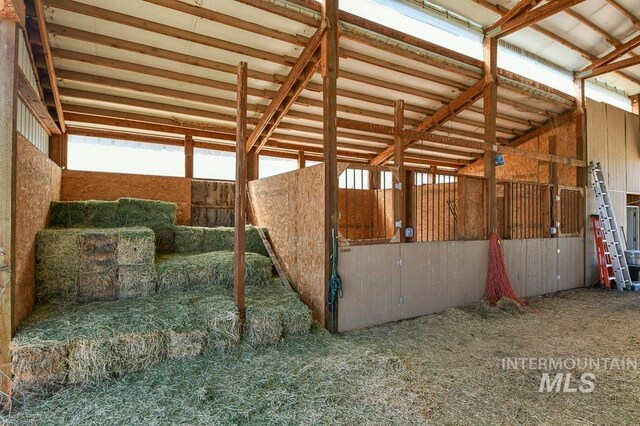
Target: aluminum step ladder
[(610, 226)]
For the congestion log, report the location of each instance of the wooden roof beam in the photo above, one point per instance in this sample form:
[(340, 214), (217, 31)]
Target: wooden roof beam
[(521, 7), (441, 116), (51, 71), (615, 66), (621, 50), (531, 17), (626, 12), (299, 76)]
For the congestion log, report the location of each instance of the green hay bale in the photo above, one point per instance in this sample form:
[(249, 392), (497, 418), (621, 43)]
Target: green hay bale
[(296, 316), (188, 239), (263, 325), (58, 261), (136, 281), (216, 314), (101, 214), (218, 239), (222, 239), (136, 246), (38, 367), (181, 272), (136, 352), (96, 286), (185, 344), (68, 214), (157, 215), (89, 361)]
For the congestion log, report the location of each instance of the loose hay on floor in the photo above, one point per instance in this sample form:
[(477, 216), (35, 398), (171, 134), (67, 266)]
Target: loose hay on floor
[(182, 272)]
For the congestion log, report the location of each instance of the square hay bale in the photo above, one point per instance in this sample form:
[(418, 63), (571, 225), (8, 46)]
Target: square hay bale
[(263, 325), (101, 214), (181, 272), (253, 241), (98, 251), (157, 215), (218, 239), (97, 286), (38, 367), (216, 314), (136, 246), (68, 214), (137, 351), (89, 360), (58, 264), (185, 344), (188, 239), (296, 316), (165, 242), (135, 281)]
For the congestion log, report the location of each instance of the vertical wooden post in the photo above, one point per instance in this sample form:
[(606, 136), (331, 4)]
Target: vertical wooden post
[(581, 131), (330, 136), (302, 160), (241, 185), (461, 195), (188, 156), (635, 103), (490, 47), (58, 149), (399, 206), (253, 162), (8, 97)]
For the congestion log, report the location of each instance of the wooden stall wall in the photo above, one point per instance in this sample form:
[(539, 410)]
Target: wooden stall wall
[(212, 203), (434, 276), (81, 185), (613, 140), (291, 207), (530, 170), (38, 182)]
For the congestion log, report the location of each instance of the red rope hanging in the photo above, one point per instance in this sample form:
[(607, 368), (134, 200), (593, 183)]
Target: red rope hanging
[(498, 282)]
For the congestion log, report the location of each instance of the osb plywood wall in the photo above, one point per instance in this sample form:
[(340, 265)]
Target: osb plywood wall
[(529, 170), (362, 213), (291, 207), (81, 185), (472, 202), (613, 140), (37, 184), (436, 215), (212, 203)]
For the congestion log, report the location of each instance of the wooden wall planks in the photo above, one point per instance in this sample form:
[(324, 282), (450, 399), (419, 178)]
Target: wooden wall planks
[(38, 181), (81, 185), (212, 203)]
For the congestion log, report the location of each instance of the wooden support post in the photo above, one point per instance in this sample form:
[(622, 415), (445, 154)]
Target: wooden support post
[(8, 102), (581, 131), (302, 160), (399, 206), (490, 47), (553, 180), (410, 203), (58, 149), (241, 185), (188, 156), (461, 196), (253, 162), (330, 134), (635, 103)]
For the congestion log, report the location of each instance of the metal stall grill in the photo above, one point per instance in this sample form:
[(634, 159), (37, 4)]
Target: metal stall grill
[(435, 206)]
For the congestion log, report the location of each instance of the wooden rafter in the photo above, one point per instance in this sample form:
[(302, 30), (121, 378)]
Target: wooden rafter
[(515, 11), (501, 10), (441, 116), (531, 17), (614, 66), (300, 74), (615, 54), (51, 71), (626, 12)]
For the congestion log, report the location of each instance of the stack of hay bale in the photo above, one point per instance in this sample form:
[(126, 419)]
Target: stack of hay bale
[(109, 304)]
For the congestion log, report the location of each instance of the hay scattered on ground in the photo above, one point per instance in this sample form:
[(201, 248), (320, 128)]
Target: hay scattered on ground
[(182, 272), (439, 369), (88, 264), (192, 239)]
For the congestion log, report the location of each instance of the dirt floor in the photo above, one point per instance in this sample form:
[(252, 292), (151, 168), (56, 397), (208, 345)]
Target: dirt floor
[(439, 369)]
